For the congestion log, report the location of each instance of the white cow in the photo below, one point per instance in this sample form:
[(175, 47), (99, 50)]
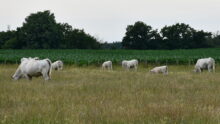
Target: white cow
[(30, 67), (107, 65), (58, 65), (160, 69), (29, 58), (130, 64), (205, 63)]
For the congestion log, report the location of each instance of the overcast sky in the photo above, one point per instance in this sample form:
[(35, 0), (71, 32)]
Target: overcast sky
[(107, 19)]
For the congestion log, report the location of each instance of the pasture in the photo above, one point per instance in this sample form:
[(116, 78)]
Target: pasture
[(88, 94)]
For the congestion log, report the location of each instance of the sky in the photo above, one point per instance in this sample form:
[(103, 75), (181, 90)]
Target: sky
[(107, 19)]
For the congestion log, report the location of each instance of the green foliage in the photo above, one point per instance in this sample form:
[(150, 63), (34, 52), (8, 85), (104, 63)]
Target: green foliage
[(182, 36), (139, 36), (41, 31), (114, 45), (215, 40), (76, 38), (7, 38), (96, 57), (11, 43), (178, 36)]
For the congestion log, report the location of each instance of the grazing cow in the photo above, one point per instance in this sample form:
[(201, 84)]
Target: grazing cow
[(160, 69), (58, 65), (30, 67), (107, 65), (205, 63), (35, 58), (130, 64)]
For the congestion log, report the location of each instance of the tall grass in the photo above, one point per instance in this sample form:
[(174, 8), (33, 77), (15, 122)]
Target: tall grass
[(95, 57), (87, 95)]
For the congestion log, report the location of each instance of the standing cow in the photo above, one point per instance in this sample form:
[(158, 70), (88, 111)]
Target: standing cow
[(160, 69), (29, 58), (205, 63), (31, 67), (130, 64), (58, 65), (107, 65)]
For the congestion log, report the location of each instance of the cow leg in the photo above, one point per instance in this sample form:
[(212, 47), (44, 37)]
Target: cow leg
[(46, 76), (209, 68), (135, 67), (45, 73), (28, 77), (213, 68), (128, 68)]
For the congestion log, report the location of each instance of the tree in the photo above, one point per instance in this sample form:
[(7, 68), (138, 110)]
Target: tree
[(182, 36), (114, 45), (139, 36), (77, 38), (178, 36), (214, 41), (200, 39), (6, 37), (39, 30)]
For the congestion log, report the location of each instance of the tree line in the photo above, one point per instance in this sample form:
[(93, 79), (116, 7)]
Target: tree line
[(177, 36), (41, 31)]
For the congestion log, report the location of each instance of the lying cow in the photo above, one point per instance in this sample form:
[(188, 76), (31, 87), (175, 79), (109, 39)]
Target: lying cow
[(58, 65), (31, 67), (130, 64), (160, 69), (107, 65), (205, 63)]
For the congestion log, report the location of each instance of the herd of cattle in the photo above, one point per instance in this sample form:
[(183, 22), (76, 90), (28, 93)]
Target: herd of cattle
[(34, 67)]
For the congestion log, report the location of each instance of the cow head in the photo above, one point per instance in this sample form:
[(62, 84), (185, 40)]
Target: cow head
[(17, 74), (60, 65), (196, 70), (151, 71)]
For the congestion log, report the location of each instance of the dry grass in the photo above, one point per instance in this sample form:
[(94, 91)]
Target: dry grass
[(89, 95)]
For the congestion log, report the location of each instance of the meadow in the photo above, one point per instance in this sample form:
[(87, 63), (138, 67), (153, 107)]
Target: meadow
[(82, 93), (96, 57), (88, 95)]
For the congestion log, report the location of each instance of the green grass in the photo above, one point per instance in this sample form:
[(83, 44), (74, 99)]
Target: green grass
[(87, 95), (96, 57)]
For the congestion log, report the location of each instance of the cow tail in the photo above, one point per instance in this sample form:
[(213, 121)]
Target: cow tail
[(50, 67)]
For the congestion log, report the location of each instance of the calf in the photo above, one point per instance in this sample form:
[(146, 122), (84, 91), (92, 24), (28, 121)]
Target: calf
[(205, 64), (58, 65), (160, 69), (130, 64), (107, 65)]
